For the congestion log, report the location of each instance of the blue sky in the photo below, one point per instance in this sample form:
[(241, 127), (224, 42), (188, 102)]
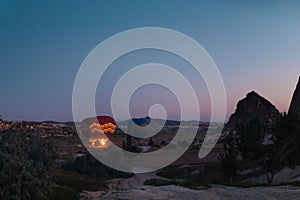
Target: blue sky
[(255, 44)]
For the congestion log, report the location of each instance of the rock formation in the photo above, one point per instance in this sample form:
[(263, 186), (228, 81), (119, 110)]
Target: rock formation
[(253, 106), (295, 104)]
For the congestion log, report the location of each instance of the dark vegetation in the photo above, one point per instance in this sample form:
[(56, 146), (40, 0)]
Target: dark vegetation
[(71, 183), (26, 166), (270, 148), (89, 165), (33, 167), (198, 176)]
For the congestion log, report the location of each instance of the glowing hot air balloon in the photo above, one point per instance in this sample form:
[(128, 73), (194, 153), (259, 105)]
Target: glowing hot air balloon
[(97, 128)]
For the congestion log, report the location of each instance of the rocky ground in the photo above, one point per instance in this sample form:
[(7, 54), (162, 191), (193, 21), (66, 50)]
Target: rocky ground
[(133, 188)]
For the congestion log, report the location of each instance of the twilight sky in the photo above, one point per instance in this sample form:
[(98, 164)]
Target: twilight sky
[(255, 44)]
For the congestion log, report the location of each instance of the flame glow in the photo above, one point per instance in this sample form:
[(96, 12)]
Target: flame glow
[(97, 136)]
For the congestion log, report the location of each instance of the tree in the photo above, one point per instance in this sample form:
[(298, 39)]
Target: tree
[(229, 158), (151, 142), (256, 142), (26, 164), (287, 134), (273, 148)]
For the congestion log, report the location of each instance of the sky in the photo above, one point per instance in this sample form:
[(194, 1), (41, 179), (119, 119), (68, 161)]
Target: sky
[(255, 44)]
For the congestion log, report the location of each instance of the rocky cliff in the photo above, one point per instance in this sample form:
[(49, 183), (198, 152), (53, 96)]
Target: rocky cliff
[(253, 106), (295, 104)]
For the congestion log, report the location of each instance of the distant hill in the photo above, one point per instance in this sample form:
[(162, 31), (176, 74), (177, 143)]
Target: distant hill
[(169, 122), (55, 122), (295, 103), (253, 106)]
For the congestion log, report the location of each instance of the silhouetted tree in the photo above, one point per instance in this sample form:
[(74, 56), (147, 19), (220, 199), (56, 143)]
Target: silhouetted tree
[(256, 142), (287, 134), (229, 158), (151, 142)]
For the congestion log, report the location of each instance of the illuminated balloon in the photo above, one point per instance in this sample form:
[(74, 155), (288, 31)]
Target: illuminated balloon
[(95, 129), (142, 121)]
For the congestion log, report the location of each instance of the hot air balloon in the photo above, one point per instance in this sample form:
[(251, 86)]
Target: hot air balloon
[(135, 126), (95, 129), (107, 124)]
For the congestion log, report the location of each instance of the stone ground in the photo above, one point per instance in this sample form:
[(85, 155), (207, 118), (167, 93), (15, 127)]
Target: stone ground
[(134, 188)]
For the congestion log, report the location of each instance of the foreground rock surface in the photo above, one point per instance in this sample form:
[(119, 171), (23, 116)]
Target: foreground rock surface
[(133, 188)]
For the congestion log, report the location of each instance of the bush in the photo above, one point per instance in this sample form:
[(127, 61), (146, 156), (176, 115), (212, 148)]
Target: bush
[(26, 165)]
